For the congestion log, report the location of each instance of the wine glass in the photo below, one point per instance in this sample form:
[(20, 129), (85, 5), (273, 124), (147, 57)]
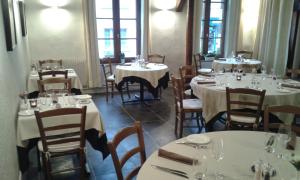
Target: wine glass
[(199, 168), (217, 152), (283, 137)]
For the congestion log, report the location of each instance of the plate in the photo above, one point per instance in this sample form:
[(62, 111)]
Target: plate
[(197, 78), (283, 90), (198, 139), (26, 113), (83, 97), (84, 101)]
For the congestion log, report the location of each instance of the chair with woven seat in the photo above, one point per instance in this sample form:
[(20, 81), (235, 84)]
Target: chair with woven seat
[(62, 133), (65, 84), (286, 109), (183, 106), (110, 80), (187, 72), (52, 62), (120, 162), (199, 60), (53, 74), (250, 116), (156, 58), (244, 54)]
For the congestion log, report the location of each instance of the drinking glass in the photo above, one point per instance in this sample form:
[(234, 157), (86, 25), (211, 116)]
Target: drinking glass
[(199, 168), (263, 69), (283, 137), (217, 152), (71, 100)]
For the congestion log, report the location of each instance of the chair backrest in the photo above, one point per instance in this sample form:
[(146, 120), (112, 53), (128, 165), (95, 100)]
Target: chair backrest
[(293, 73), (187, 72), (287, 109), (120, 162), (156, 58), (178, 91), (53, 73), (245, 54), (51, 81), (107, 69), (233, 97), (50, 61), (198, 58), (62, 127)]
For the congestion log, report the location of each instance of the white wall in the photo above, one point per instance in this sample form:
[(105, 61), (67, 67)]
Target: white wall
[(168, 35), (57, 33), (13, 75)]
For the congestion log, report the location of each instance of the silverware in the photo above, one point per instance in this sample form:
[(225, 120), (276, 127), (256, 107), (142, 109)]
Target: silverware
[(172, 171), (191, 144)]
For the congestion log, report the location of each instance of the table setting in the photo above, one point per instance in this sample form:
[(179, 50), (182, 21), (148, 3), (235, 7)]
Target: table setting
[(224, 155)]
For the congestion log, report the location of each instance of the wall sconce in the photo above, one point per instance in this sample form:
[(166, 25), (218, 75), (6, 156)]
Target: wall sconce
[(55, 3), (164, 4)]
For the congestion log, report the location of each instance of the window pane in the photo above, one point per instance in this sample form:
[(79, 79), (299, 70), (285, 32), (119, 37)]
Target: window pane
[(128, 28), (127, 9), (214, 46), (104, 9), (215, 29), (216, 11), (128, 47), (105, 28), (106, 48)]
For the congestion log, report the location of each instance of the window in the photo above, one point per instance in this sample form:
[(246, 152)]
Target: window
[(118, 28), (213, 26)]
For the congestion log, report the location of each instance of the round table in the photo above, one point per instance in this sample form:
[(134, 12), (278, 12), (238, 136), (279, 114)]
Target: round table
[(214, 96), (241, 150), (247, 65)]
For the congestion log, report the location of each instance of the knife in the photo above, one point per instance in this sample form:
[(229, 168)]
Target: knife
[(172, 171)]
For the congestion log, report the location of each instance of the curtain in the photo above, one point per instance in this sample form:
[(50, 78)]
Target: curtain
[(296, 63), (145, 28), (232, 26), (198, 14), (91, 47), (271, 43)]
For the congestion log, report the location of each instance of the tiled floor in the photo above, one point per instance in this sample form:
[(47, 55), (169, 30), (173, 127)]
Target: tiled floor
[(157, 118)]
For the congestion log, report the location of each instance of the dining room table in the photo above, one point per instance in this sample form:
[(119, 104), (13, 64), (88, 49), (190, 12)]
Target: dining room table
[(246, 65), (212, 91), (151, 75), (27, 133), (32, 84), (241, 152)]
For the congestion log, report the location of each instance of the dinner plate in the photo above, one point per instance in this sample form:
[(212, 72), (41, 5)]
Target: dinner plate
[(283, 90), (26, 113), (198, 139), (197, 78), (83, 97), (84, 101)]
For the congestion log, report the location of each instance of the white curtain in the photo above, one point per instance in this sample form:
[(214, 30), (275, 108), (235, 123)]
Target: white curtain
[(198, 14), (296, 63), (91, 47), (273, 31), (145, 28)]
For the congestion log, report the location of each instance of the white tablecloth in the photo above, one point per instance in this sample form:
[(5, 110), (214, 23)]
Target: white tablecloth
[(214, 97), (241, 149), (152, 73), (27, 127), (247, 65), (33, 77)]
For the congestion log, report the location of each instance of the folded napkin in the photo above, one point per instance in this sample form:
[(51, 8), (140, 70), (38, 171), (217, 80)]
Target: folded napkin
[(125, 64), (296, 86), (176, 157), (291, 145), (206, 82)]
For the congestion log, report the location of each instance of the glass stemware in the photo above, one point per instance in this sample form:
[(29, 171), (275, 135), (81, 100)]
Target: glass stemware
[(217, 151), (283, 137), (198, 171)]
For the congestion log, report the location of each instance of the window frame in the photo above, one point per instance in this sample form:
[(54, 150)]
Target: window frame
[(204, 38), (117, 32)]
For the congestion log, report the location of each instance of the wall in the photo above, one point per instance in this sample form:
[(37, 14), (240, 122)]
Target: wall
[(168, 35), (13, 75), (57, 33)]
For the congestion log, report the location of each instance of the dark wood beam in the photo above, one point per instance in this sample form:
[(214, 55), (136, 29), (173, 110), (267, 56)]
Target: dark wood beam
[(189, 33), (179, 5)]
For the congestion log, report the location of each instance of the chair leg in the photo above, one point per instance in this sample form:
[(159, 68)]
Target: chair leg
[(82, 164), (47, 167), (112, 89), (182, 117), (122, 97), (38, 158), (106, 94), (127, 89), (198, 123)]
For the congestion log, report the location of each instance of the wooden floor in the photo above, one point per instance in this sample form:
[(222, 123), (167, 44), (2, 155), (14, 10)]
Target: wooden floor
[(157, 118)]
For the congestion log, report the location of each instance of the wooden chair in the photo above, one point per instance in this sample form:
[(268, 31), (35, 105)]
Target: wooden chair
[(120, 162), (183, 106), (287, 109), (110, 80), (246, 118), (291, 73), (53, 73), (62, 137), (198, 60), (187, 72), (156, 58), (50, 81), (244, 54), (50, 61)]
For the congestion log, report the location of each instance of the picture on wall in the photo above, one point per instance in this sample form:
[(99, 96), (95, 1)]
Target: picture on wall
[(23, 18), (9, 24)]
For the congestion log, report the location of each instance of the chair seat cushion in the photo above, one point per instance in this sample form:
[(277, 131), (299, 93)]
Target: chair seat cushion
[(188, 92), (244, 119), (111, 78), (191, 104), (60, 147), (204, 70)]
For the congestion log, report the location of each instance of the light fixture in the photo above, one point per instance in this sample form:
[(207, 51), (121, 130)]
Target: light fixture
[(164, 19), (164, 4), (55, 3)]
